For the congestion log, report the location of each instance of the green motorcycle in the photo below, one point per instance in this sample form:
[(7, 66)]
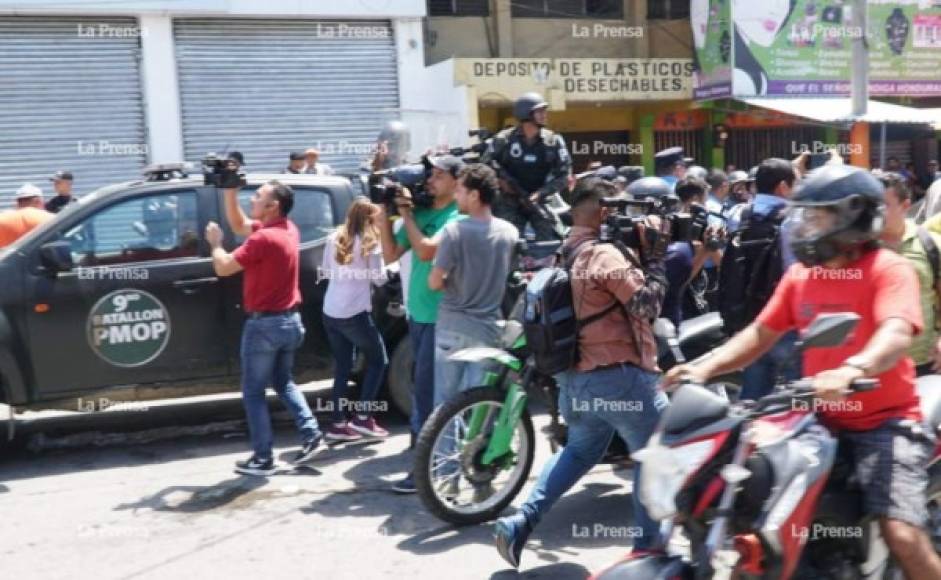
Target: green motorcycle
[(476, 450)]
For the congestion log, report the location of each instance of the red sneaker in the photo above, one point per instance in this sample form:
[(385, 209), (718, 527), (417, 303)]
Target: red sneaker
[(367, 426)]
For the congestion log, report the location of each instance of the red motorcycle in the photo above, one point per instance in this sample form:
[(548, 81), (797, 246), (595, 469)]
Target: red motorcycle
[(760, 488)]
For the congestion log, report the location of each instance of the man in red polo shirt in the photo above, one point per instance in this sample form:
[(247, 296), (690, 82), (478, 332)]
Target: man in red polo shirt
[(834, 226), (274, 331)]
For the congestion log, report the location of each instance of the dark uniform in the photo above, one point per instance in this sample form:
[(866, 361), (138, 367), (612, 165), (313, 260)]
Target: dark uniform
[(539, 167)]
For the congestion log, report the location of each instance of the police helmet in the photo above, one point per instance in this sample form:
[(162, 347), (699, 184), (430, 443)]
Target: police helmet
[(526, 104)]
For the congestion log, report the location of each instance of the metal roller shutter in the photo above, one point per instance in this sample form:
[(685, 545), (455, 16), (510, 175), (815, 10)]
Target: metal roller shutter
[(70, 98), (267, 87)]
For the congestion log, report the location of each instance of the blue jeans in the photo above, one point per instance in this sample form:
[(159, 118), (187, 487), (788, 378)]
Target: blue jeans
[(453, 377), (268, 346), (346, 335), (595, 405), (423, 391), (759, 377)]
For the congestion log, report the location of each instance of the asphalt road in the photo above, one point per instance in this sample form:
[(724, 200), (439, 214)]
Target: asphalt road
[(150, 493)]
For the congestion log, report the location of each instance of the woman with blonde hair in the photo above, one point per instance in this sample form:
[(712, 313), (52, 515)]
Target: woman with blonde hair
[(352, 264)]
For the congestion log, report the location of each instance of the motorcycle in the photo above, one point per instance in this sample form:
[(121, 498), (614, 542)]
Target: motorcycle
[(759, 487), (484, 436)]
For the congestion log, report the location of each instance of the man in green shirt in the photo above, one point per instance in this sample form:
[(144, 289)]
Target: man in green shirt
[(901, 235), (420, 234)]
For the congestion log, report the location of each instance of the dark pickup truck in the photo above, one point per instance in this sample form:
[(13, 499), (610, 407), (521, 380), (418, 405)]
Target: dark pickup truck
[(119, 291)]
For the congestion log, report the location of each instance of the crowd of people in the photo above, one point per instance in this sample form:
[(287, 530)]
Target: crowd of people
[(781, 245)]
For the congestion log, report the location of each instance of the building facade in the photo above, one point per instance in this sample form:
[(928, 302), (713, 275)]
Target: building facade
[(104, 88)]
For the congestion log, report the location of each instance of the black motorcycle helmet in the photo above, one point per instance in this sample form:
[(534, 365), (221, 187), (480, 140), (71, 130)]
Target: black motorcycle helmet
[(649, 187), (525, 105), (837, 208)]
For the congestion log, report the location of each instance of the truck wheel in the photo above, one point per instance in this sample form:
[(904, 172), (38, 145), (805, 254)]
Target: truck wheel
[(400, 377)]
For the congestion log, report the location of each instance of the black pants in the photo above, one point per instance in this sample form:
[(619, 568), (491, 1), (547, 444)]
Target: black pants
[(512, 210)]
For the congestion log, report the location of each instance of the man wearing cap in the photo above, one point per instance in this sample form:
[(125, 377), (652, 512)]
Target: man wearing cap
[(670, 165), (29, 213), (420, 233), (296, 163), (314, 167), (532, 163), (62, 184)]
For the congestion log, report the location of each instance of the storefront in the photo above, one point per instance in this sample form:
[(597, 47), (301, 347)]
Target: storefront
[(605, 108)]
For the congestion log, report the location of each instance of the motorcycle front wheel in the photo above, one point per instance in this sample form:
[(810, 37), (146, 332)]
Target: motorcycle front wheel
[(451, 478)]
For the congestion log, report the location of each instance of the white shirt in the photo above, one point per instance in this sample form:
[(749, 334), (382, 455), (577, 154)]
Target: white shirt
[(349, 289)]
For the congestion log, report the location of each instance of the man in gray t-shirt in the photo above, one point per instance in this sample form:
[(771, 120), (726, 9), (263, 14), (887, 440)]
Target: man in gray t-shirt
[(471, 267)]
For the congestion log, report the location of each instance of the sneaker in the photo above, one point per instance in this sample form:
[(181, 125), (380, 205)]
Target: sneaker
[(367, 426), (255, 466), (407, 485), (510, 534), (341, 432), (309, 449), (450, 488)]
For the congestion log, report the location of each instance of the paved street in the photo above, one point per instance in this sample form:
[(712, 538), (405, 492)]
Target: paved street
[(164, 503)]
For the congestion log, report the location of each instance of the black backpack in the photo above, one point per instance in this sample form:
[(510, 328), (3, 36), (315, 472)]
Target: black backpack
[(549, 320), (751, 268)]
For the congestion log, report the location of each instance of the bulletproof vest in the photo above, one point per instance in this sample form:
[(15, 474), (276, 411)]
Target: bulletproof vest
[(529, 164)]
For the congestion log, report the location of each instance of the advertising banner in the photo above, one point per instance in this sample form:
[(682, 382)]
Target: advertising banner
[(804, 47)]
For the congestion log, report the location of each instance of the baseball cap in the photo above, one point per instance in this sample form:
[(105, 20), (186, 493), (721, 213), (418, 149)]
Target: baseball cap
[(237, 156), (297, 156), (66, 175), (448, 163), (28, 190)]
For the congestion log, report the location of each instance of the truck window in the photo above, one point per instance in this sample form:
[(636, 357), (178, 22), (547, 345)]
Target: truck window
[(312, 212), (154, 227)]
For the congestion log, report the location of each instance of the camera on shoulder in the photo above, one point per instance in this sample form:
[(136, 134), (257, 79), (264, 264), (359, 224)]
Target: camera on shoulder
[(386, 185)]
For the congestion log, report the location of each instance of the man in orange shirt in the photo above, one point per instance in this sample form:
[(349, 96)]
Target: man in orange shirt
[(28, 214)]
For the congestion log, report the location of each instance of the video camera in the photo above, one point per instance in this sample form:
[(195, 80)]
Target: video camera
[(386, 185), (216, 172), (683, 226)]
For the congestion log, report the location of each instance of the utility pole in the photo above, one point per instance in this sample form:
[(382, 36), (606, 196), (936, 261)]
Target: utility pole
[(859, 72)]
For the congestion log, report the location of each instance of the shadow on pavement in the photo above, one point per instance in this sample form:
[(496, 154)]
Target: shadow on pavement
[(563, 571), (198, 498)]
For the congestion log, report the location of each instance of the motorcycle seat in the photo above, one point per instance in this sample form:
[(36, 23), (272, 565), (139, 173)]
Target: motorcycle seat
[(691, 408), (704, 325), (929, 391)]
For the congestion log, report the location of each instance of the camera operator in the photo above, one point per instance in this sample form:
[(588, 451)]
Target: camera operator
[(613, 387), (270, 258), (420, 234), (686, 259), (532, 163)]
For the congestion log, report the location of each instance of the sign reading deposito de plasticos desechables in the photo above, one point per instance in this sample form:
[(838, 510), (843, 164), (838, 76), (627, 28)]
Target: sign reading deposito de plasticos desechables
[(128, 328), (804, 47)]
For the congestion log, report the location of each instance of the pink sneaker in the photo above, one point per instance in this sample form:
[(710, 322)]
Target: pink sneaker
[(367, 426), (341, 432)]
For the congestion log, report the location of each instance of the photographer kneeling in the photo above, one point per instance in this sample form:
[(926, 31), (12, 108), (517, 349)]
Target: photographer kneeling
[(420, 233), (613, 387)]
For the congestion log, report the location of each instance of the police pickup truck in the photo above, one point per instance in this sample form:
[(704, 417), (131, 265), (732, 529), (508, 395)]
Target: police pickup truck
[(119, 291)]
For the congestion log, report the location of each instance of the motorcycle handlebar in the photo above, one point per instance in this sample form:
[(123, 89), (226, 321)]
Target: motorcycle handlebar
[(804, 388)]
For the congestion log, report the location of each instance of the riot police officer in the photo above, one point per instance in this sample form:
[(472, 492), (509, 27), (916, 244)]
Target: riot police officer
[(532, 163)]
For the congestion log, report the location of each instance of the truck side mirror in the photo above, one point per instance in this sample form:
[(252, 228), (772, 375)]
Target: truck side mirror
[(56, 256)]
